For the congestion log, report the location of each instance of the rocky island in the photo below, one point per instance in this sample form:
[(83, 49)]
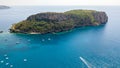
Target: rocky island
[(4, 7), (52, 22), (1, 31)]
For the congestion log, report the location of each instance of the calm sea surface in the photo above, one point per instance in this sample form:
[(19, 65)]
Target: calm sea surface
[(86, 47)]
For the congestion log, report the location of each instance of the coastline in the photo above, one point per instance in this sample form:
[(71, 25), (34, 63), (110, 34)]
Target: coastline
[(62, 32)]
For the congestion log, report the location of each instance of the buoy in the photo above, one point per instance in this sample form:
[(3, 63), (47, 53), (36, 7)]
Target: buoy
[(25, 60), (11, 66), (85, 62), (2, 61)]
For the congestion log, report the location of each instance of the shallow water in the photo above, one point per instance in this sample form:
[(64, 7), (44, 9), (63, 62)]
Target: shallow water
[(98, 46)]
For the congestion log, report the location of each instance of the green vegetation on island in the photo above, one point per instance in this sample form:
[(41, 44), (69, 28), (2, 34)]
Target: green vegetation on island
[(52, 22)]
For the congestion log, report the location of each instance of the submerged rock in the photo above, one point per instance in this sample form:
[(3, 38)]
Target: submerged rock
[(52, 22)]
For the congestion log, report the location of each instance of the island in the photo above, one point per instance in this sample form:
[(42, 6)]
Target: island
[(4, 7), (1, 31), (53, 22)]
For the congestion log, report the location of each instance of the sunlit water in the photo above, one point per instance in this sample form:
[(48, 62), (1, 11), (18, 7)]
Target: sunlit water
[(97, 46)]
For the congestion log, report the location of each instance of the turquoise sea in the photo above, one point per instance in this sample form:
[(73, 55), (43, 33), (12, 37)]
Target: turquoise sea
[(85, 47)]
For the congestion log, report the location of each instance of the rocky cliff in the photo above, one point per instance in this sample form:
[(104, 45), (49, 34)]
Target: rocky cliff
[(50, 22)]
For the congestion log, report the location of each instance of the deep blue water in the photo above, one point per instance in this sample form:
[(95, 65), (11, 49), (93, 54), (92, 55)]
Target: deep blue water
[(99, 47)]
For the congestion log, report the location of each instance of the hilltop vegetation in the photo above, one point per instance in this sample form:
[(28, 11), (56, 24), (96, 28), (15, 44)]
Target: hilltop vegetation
[(56, 22)]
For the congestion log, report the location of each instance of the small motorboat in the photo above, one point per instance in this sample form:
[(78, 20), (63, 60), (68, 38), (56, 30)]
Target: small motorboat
[(5, 55), (2, 61), (6, 58), (11, 66), (7, 64), (25, 60)]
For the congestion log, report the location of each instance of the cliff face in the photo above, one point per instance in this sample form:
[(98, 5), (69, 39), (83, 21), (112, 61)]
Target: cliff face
[(49, 17), (57, 22), (100, 17)]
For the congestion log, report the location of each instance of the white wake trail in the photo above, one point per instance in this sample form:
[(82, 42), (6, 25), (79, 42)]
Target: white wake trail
[(85, 62)]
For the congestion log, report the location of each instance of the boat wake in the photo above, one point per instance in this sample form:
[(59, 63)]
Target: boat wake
[(86, 63)]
